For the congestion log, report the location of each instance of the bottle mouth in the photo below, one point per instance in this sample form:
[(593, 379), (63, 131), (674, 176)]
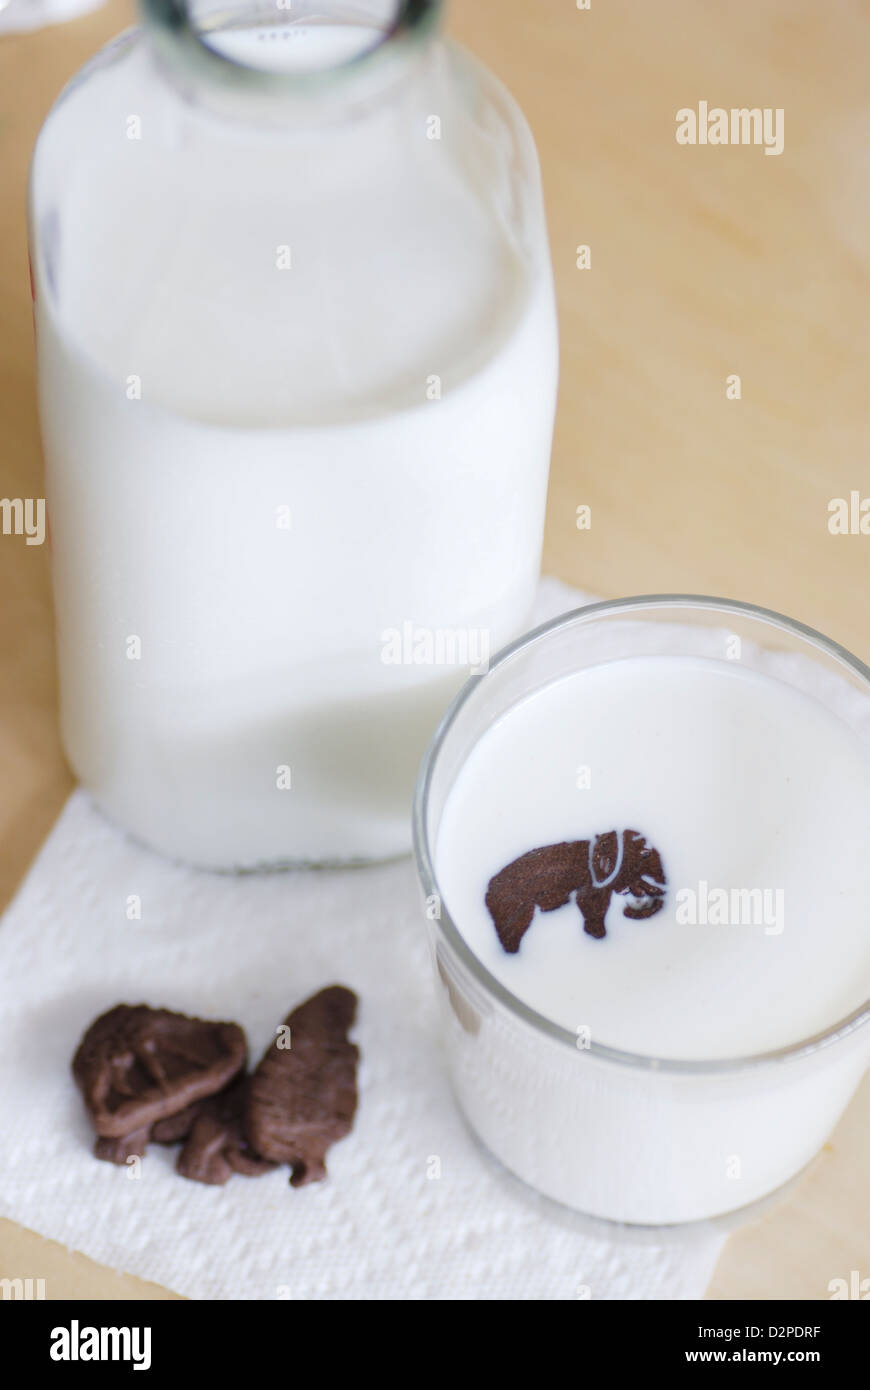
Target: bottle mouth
[(287, 46)]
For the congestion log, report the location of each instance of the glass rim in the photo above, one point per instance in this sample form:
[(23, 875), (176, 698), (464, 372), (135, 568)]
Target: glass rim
[(445, 927), (413, 21)]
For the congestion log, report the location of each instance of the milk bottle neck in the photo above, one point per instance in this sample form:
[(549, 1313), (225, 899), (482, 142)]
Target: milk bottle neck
[(290, 64)]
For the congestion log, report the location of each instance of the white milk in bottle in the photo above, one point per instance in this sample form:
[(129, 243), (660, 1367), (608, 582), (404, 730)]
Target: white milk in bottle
[(297, 369)]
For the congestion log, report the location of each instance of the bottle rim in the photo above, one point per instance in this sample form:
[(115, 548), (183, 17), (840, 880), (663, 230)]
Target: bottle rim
[(173, 25)]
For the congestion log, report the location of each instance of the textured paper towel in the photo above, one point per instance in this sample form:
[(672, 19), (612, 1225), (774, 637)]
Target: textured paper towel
[(247, 948)]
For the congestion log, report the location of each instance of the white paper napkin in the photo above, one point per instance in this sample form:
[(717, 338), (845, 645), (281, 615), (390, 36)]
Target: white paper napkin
[(248, 948)]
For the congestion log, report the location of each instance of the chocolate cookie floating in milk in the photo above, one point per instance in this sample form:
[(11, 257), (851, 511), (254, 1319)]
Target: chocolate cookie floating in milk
[(302, 1097), (136, 1066), (590, 871)]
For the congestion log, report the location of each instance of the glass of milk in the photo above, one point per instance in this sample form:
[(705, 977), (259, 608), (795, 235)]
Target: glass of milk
[(661, 1014), (297, 370)]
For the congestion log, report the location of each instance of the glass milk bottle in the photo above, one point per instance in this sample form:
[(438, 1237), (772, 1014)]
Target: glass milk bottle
[(297, 369)]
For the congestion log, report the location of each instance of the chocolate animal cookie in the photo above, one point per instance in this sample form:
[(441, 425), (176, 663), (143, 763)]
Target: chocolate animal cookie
[(589, 870), (176, 1128), (211, 1131), (168, 1131), (216, 1146), (137, 1066), (127, 1146), (302, 1098)]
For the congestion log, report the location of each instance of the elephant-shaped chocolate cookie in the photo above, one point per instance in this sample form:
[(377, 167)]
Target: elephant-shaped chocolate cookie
[(590, 871)]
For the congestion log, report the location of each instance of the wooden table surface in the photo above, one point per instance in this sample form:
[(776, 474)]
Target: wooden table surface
[(705, 261)]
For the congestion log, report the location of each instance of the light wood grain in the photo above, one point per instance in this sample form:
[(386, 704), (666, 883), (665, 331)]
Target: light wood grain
[(704, 262)]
